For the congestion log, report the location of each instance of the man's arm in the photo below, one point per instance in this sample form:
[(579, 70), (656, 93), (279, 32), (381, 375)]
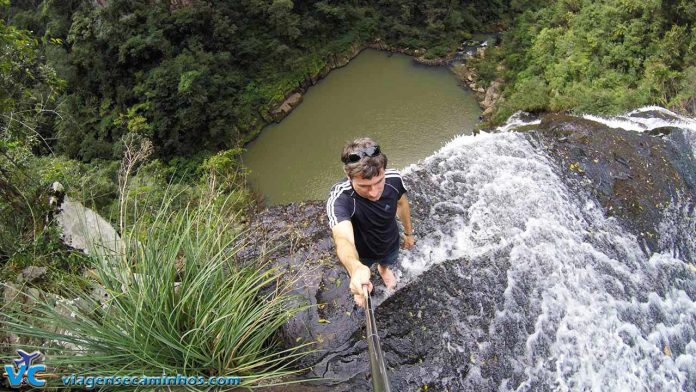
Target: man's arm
[(403, 211), (348, 255)]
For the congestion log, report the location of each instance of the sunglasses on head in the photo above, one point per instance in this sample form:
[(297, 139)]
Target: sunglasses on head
[(371, 151)]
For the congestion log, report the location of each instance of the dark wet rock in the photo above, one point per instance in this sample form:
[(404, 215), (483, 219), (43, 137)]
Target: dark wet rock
[(414, 326), (633, 174), (658, 114), (684, 162), (417, 327), (301, 244), (662, 131)]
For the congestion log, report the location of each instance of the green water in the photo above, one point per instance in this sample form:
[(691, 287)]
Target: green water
[(409, 109)]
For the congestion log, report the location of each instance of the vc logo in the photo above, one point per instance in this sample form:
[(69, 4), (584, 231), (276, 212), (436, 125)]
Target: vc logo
[(23, 369)]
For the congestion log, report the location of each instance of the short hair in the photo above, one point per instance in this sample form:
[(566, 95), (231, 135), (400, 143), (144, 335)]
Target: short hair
[(367, 167)]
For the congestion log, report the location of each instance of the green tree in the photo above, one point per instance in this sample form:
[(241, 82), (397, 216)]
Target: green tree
[(600, 57)]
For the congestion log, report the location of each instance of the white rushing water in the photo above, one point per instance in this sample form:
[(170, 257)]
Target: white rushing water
[(643, 119), (584, 308), (635, 121)]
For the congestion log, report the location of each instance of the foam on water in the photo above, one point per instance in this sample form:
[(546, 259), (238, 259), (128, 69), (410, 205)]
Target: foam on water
[(633, 121), (517, 120), (583, 307), (638, 121)]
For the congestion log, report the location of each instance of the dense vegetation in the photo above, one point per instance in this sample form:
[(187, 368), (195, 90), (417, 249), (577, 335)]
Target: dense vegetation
[(194, 75), (598, 57), (177, 302), (84, 82), (80, 79)]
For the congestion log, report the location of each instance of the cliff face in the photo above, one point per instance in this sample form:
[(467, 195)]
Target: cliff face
[(508, 263)]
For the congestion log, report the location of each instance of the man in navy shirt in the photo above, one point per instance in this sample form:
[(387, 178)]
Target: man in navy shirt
[(362, 213)]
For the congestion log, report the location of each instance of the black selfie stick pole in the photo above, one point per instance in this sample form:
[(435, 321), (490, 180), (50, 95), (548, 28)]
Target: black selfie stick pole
[(380, 382)]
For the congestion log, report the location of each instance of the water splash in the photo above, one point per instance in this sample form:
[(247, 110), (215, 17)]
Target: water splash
[(646, 119), (649, 118), (583, 307), (517, 120)]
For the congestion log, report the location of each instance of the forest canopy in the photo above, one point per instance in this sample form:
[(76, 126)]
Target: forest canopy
[(194, 75), (80, 80), (195, 80), (595, 57)]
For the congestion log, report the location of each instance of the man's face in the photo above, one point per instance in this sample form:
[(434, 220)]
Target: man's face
[(370, 189)]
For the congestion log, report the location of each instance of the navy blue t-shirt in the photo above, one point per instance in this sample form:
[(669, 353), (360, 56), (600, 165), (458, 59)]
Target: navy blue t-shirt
[(374, 222)]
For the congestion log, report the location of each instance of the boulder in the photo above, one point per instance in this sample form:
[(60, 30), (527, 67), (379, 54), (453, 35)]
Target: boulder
[(492, 94), (287, 106), (84, 229)]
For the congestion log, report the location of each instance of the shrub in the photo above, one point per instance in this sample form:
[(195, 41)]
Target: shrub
[(178, 303)]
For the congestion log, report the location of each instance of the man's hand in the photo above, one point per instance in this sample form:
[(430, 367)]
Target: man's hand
[(409, 242), (360, 277), (345, 248)]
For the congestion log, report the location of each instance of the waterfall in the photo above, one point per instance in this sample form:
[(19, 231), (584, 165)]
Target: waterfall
[(649, 118), (582, 306)]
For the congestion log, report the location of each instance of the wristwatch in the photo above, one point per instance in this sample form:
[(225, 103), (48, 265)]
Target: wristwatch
[(407, 234)]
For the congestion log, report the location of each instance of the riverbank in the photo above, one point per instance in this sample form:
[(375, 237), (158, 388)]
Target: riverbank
[(487, 97)]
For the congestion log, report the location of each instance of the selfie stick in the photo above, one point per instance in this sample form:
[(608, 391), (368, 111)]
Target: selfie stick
[(380, 382)]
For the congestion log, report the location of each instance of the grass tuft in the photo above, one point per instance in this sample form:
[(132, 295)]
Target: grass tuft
[(178, 302)]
